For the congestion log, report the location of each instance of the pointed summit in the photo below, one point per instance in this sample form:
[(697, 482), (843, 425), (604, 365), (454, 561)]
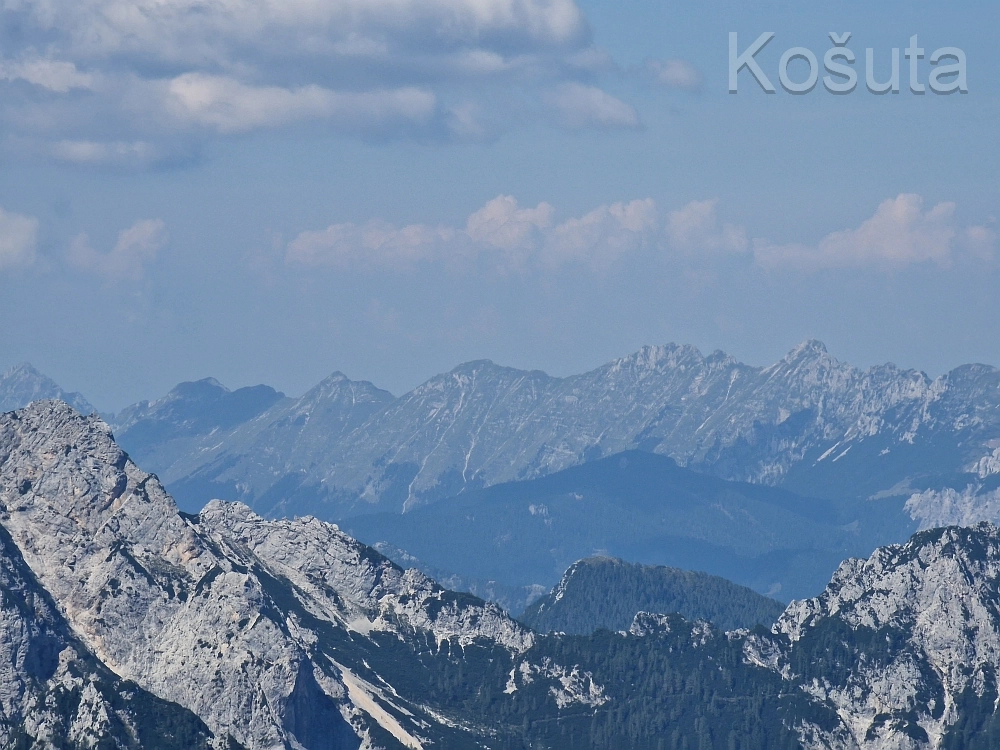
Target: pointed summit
[(337, 388), (22, 384), (809, 347)]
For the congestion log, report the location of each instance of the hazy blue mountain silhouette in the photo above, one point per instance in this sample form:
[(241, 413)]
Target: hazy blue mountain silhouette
[(640, 507)]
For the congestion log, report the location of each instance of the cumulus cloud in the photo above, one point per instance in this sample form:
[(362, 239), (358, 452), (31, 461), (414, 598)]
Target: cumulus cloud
[(514, 238), (18, 238), (135, 249), (696, 228), (675, 74), (502, 224), (503, 233), (900, 233), (577, 106), (602, 235)]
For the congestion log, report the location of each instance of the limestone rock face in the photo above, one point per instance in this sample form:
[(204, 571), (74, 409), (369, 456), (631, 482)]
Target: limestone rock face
[(156, 600), (54, 693), (357, 586), (251, 625), (902, 646)]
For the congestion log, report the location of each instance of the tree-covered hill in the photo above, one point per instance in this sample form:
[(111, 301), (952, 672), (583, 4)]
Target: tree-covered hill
[(604, 592)]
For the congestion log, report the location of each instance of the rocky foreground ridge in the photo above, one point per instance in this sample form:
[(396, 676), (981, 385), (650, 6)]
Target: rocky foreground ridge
[(241, 622), (124, 619)]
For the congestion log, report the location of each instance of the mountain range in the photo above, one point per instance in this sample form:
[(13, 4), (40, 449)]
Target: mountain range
[(809, 424), (768, 476), (132, 624)]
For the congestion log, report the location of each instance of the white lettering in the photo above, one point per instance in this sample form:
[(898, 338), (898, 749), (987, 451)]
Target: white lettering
[(737, 62)]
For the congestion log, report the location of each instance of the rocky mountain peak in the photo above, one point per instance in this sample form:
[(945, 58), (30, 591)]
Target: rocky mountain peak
[(908, 640), (337, 388), (950, 576), (22, 384), (810, 360), (808, 348), (221, 613), (485, 372)]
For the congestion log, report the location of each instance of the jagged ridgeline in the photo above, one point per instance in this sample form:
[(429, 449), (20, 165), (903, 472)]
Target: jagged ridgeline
[(130, 624), (603, 592), (808, 423)]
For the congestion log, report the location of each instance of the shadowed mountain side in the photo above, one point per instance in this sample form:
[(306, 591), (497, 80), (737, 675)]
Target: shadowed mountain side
[(175, 423), (640, 507), (603, 592)]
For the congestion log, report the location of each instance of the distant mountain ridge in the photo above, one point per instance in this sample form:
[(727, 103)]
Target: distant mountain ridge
[(22, 384), (808, 422)]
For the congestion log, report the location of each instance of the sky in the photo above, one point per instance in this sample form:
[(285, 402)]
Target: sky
[(266, 191)]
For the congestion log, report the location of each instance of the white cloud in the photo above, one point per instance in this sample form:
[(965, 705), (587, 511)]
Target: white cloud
[(18, 238), (591, 59), (230, 106), (676, 74), (578, 106), (115, 153), (191, 32), (982, 241), (502, 224), (136, 247), (501, 232), (55, 75), (602, 235), (87, 153), (509, 237), (466, 121), (900, 233), (696, 228), (374, 68)]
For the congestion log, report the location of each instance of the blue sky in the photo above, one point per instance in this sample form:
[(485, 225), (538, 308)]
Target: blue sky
[(268, 191)]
